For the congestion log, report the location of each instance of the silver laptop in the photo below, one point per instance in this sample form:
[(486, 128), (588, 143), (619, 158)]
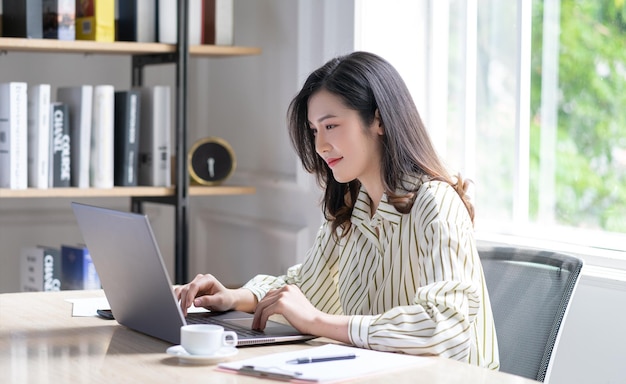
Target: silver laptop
[(137, 285)]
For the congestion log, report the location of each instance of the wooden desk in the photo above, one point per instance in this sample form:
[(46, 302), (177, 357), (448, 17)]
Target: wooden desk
[(40, 342)]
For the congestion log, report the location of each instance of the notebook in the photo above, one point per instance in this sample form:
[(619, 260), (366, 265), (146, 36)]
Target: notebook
[(136, 283)]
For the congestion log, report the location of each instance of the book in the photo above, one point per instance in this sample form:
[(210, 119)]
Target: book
[(102, 149), (168, 21), (79, 99), (78, 270), (127, 120), (137, 21), (60, 146), (40, 269), (217, 22), (38, 135), (95, 20), (154, 137), (59, 19), (14, 135), (22, 18)]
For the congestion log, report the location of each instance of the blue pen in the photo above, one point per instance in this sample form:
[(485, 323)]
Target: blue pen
[(307, 360)]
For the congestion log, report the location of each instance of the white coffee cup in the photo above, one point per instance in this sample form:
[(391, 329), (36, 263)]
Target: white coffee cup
[(205, 339)]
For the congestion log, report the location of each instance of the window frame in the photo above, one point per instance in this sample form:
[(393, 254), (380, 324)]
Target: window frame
[(419, 64)]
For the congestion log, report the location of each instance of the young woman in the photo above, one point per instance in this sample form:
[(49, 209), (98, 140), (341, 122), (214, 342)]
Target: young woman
[(394, 266)]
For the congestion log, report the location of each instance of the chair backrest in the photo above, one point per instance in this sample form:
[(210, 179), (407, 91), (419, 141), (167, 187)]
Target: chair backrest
[(530, 292)]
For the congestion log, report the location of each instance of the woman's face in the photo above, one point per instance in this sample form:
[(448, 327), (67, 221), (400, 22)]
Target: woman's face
[(351, 150)]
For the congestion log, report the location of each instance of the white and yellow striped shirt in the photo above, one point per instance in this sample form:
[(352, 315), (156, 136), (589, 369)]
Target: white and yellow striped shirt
[(412, 283)]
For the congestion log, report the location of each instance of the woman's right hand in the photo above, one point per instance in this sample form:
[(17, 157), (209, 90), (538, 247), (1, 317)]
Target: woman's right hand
[(206, 291)]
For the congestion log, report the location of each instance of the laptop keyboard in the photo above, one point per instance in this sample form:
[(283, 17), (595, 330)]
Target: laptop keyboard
[(240, 331)]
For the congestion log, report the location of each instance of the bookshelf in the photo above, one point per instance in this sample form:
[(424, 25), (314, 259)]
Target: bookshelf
[(123, 192), (144, 54), (15, 44)]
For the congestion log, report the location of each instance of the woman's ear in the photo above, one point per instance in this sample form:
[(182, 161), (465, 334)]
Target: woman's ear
[(380, 129)]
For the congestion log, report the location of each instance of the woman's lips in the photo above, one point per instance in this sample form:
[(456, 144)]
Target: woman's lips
[(333, 161)]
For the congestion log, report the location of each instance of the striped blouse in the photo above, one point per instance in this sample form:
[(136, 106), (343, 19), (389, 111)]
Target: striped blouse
[(412, 283)]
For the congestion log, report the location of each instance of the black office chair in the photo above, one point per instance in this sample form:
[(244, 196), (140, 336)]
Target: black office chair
[(530, 291)]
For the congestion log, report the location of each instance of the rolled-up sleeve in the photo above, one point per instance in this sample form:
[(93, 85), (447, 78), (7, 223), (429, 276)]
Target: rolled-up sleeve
[(434, 327), (261, 284)]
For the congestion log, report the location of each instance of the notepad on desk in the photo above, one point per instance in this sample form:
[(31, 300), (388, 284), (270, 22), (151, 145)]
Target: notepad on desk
[(338, 365)]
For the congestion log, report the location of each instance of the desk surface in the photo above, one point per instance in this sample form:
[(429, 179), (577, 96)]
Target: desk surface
[(40, 342)]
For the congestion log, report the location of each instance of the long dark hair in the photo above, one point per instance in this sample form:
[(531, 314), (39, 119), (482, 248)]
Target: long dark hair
[(367, 83)]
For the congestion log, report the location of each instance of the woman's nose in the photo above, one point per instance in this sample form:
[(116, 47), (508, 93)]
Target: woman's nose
[(321, 144)]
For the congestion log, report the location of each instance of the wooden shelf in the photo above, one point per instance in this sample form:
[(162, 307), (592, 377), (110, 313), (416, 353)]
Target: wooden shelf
[(123, 192), (222, 50), (196, 190), (117, 48)]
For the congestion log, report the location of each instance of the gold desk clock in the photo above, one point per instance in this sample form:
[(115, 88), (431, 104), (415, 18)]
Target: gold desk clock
[(211, 161)]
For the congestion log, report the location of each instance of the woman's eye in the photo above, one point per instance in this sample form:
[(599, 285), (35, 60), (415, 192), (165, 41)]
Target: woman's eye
[(331, 126), (314, 131)]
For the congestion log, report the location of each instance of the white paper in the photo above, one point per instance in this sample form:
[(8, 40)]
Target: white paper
[(86, 307), (366, 362)]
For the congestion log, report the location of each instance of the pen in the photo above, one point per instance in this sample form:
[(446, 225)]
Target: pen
[(307, 360), (268, 373)]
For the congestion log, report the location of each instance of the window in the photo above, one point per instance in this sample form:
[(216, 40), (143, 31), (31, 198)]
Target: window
[(531, 105)]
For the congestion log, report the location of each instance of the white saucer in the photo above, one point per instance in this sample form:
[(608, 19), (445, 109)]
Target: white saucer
[(186, 357)]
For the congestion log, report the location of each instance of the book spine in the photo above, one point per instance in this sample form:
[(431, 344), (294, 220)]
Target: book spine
[(224, 25), (60, 148), (22, 18), (95, 20), (59, 19), (101, 164), (154, 138), (38, 135), (168, 17), (146, 137), (163, 118), (137, 21), (80, 102), (91, 279), (194, 28), (40, 269), (51, 269), (208, 21), (127, 20), (31, 270), (127, 119), (78, 270), (13, 135)]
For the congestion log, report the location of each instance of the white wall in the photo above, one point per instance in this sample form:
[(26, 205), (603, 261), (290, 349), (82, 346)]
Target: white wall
[(245, 100)]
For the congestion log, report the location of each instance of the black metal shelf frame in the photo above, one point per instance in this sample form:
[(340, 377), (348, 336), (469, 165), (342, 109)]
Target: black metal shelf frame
[(180, 199)]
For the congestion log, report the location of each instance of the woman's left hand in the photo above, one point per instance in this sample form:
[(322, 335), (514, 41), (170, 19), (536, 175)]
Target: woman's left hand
[(290, 302)]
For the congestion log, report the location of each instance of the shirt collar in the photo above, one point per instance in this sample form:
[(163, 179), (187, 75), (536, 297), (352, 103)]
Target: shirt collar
[(385, 211)]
